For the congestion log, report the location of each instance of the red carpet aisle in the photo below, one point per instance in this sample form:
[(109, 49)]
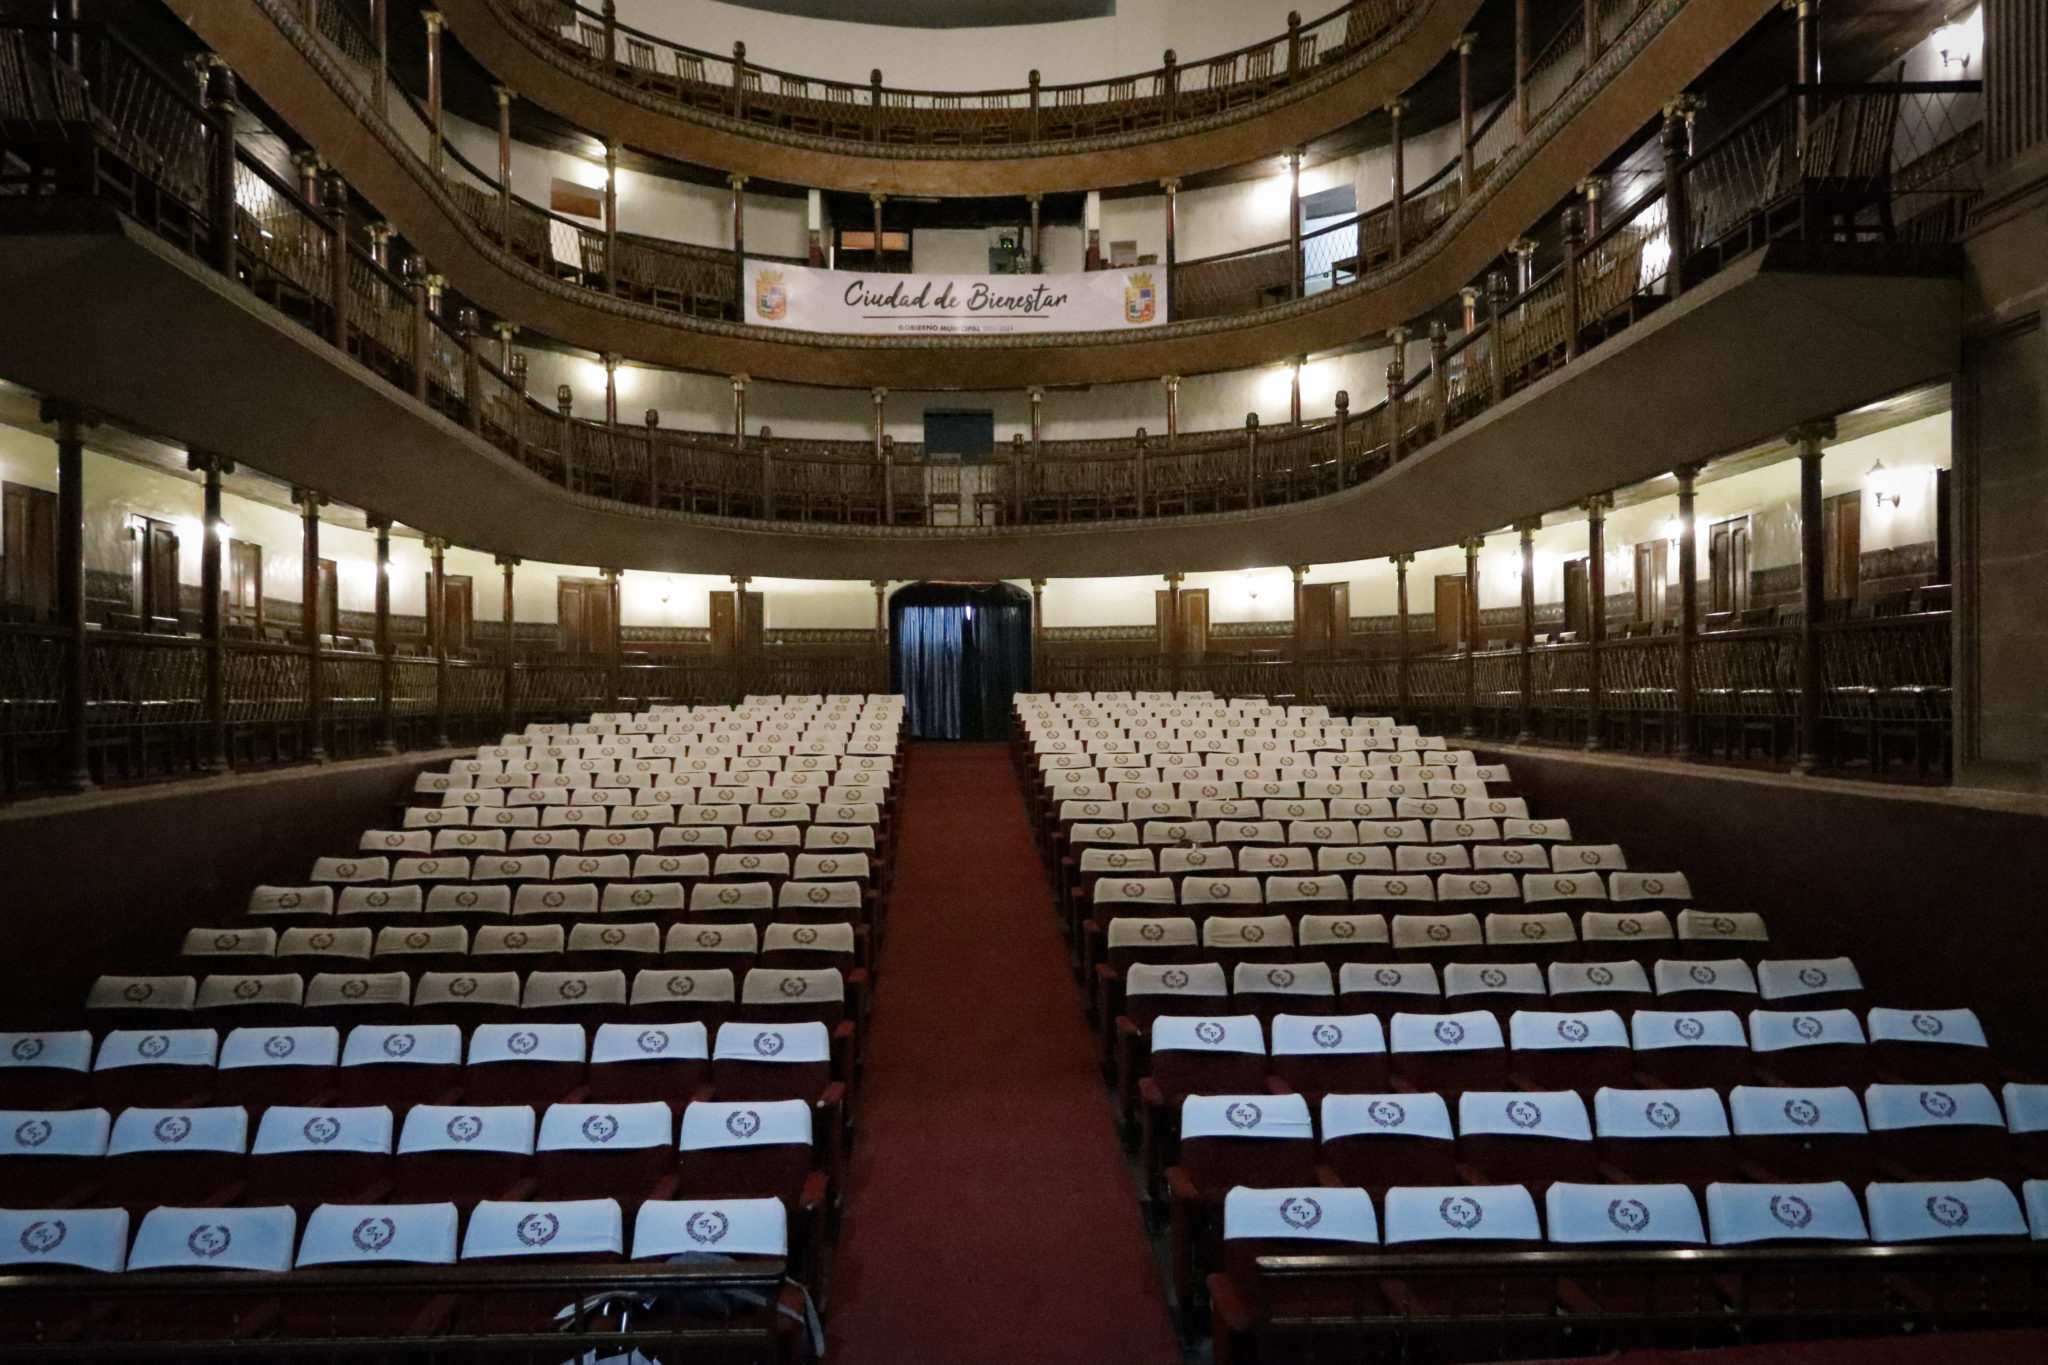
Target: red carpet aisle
[(991, 1217)]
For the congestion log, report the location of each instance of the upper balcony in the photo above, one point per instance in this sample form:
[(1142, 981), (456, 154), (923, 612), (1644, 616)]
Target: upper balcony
[(728, 111)]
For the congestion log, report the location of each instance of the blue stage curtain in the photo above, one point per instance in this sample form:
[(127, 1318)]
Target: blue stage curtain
[(962, 652), (930, 658)]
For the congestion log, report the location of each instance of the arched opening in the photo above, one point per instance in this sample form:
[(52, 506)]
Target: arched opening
[(958, 653)]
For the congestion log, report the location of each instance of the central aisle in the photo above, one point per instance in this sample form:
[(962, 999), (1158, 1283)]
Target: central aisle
[(991, 1218)]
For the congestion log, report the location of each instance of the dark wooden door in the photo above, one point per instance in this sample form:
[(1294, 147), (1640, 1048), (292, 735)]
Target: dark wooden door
[(1842, 518), (1728, 565), (583, 613), (158, 598), (327, 609), (244, 591), (1578, 599), (1653, 566), (1450, 610), (1194, 624), (28, 532)]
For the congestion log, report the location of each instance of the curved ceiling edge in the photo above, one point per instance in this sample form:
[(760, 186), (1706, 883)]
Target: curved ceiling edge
[(523, 60), (1639, 77)]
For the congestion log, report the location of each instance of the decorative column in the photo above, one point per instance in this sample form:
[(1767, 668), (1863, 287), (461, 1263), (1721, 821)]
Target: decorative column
[(1091, 227), (433, 20), (1294, 389), (611, 217), (1524, 251), (738, 184), (1174, 645), (1521, 69), (1596, 614), (1688, 611), (505, 96), (1170, 187), (380, 25), (1574, 246), (888, 480), (214, 688), (881, 675), (888, 492), (1294, 279), (1299, 669), (1341, 432), (387, 662), (1589, 190), (1401, 562), (1590, 31), (739, 634), (1465, 167), (1525, 663), (1496, 301), (310, 503), (1397, 378), (614, 662), (1036, 261), (220, 164), (1470, 662), (1808, 57), (1395, 210), (1468, 295), (875, 198), (510, 656), (1673, 138), (1037, 417), (1440, 369), (739, 411), (1813, 594), (437, 633), (71, 425), (1138, 459), (1171, 383), (1037, 631), (814, 220)]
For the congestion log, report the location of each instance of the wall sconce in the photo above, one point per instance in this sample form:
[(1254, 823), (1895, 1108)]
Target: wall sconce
[(1875, 476), (1953, 43)]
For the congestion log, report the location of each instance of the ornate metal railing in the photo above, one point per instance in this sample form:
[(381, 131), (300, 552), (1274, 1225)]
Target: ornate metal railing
[(730, 90)]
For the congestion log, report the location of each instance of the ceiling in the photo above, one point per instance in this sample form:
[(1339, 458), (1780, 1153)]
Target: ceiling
[(937, 13)]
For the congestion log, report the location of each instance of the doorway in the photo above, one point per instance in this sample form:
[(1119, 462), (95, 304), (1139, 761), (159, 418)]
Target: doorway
[(958, 653)]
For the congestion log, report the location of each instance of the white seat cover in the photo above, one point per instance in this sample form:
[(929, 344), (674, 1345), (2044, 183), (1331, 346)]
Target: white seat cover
[(744, 1123), (157, 1047), (1190, 1033), (468, 1128), (1281, 890), (1641, 926), (1578, 1214), (225, 991), (1545, 1030), (1926, 1210), (1794, 1111), (1559, 1114), (367, 1234), (1477, 978), (727, 1227), (1826, 1211), (740, 940), (1594, 977), (69, 1050), (605, 1127), (779, 1043), (533, 940), (1195, 978), (1718, 927), (1246, 1116), (2026, 1109), (143, 992), (1659, 1113), (470, 900), (563, 1227), (1131, 932), (413, 1044), (1790, 979), (1471, 1031), (54, 1132), (626, 1043), (1484, 1213), (1108, 861), (468, 988), (1728, 974), (1420, 1115), (1221, 891), (526, 1043), (257, 942), (1230, 933), (733, 898), (1651, 1030), (1418, 932), (1931, 1106), (1341, 930), (792, 986), (2034, 1191), (215, 1239), (1956, 1028), (1779, 1030), (293, 1128), (1526, 930), (615, 938), (1563, 886), (311, 1045), (84, 1239), (1398, 978), (1478, 886), (1311, 1035), (1649, 886), (1293, 978), (1316, 1213)]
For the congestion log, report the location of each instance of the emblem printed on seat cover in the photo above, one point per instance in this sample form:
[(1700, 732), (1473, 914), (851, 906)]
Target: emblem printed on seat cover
[(1493, 978), (322, 1129), (1573, 1030), (1461, 1212), (538, 1229), (1703, 974), (1209, 1031), (1243, 1114), (573, 988), (1803, 1112), (1600, 976), (173, 1129), (601, 1127), (1449, 1031), (1628, 1215), (32, 1133), (1662, 1114), (1948, 1210), (743, 1123), (1174, 980), (1789, 1209), (1300, 1212), (1525, 1113), (522, 1042), (654, 1040), (1938, 1103), (768, 1044), (1927, 1025), (707, 1226), (1807, 1027), (209, 1240), (1326, 1035)]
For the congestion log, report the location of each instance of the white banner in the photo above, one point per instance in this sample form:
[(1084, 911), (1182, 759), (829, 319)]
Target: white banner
[(873, 304)]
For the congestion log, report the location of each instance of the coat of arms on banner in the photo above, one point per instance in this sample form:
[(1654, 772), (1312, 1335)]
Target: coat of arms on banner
[(1139, 300), (771, 300)]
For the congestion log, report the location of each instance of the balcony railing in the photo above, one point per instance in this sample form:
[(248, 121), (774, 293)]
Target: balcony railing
[(1882, 166), (876, 119)]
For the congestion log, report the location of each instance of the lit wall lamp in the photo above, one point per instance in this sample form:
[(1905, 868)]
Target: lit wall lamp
[(1953, 41), (1883, 495)]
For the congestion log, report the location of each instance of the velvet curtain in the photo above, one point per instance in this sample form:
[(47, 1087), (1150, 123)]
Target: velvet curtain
[(961, 652)]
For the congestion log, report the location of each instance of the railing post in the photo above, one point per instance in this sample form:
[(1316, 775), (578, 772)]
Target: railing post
[(1174, 643), (213, 702), (1343, 430), (1251, 459), (1521, 69), (1140, 457), (1525, 662), (472, 369), (1465, 167), (875, 200), (1440, 367), (739, 635), (615, 662), (1297, 669), (610, 15), (310, 502), (767, 469), (739, 243), (739, 80), (1809, 60), (1688, 612), (1590, 37), (888, 480), (879, 397), (1589, 223), (1813, 593), (380, 234), (565, 402), (416, 281), (611, 217), (1397, 376), (1496, 295), (220, 165), (510, 656), (1395, 205), (1171, 383), (1037, 632), (881, 667), (387, 660), (1470, 663), (1574, 304), (437, 631), (1293, 45), (380, 25), (505, 96), (1171, 78), (1037, 267), (1294, 276), (1596, 615), (1677, 201), (875, 109), (1036, 96), (1171, 188), (1401, 681), (71, 423), (1017, 477), (433, 20)]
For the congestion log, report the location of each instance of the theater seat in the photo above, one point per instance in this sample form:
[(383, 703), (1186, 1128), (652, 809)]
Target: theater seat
[(1312, 1220), (51, 1159), (1525, 1137), (1465, 1218), (622, 1152), (1380, 1140), (1801, 1133), (1226, 1141), (1761, 1214), (760, 1062), (1555, 1051), (305, 1157), (191, 1157), (373, 1235), (536, 1064), (266, 1066), (465, 1153), (400, 1065), (1690, 1049), (1448, 1053), (46, 1070), (1938, 1132), (552, 1230), (1936, 1046), (1818, 1047), (1663, 1137), (1315, 1055), (631, 1063)]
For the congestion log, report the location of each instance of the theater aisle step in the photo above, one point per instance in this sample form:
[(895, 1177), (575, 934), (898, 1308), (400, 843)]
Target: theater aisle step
[(991, 1218)]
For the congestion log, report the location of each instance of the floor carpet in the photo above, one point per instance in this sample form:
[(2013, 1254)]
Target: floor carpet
[(991, 1217)]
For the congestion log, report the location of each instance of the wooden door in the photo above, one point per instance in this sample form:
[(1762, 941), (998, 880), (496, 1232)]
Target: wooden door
[(753, 623), (1163, 631), (1728, 565), (1578, 599), (583, 615), (1194, 624), (722, 623), (327, 609), (460, 612), (244, 590), (28, 550), (1450, 610), (1653, 566), (157, 601), (1842, 520), (1325, 626)]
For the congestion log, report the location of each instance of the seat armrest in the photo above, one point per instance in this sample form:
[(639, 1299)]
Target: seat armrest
[(1615, 1175), (1276, 1086), (1230, 1316), (1180, 1186), (1472, 1175)]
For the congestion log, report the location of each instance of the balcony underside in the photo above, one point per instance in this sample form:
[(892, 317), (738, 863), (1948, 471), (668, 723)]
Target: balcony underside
[(103, 313), (1658, 57), (525, 61)]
